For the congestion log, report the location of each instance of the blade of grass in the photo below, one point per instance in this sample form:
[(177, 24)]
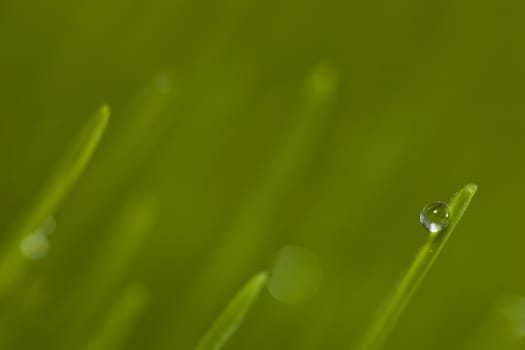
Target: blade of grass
[(257, 208), (114, 256), (232, 316), (53, 193), (121, 318), (142, 126), (387, 319)]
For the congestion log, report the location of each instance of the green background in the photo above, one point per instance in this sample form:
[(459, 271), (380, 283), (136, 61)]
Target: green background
[(240, 127)]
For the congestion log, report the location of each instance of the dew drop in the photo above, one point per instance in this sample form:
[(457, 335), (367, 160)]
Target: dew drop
[(296, 275), (35, 246), (511, 308), (434, 217)]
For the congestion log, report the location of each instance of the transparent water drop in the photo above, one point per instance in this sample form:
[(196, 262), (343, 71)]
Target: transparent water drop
[(322, 82), (435, 217), (296, 275), (511, 309), (35, 245)]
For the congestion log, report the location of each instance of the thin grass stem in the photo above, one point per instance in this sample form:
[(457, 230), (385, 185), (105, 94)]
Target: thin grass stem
[(233, 315), (383, 325)]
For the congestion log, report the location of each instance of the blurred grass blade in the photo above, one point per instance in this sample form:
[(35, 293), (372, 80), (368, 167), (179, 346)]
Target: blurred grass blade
[(68, 171), (145, 124), (58, 186), (142, 125), (117, 326), (387, 319), (125, 239), (257, 209), (233, 315)]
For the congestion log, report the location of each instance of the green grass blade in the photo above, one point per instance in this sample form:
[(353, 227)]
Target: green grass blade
[(256, 210), (385, 322), (121, 318), (58, 186), (125, 240), (69, 170), (232, 316)]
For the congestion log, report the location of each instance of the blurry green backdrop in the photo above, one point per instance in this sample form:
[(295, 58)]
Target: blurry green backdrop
[(240, 127)]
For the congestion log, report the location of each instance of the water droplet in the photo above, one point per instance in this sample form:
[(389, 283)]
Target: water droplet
[(163, 83), (434, 217), (296, 275), (35, 246), (512, 309), (322, 82)]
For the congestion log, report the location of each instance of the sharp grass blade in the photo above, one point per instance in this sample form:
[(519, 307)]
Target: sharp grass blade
[(383, 325), (232, 316), (53, 193)]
